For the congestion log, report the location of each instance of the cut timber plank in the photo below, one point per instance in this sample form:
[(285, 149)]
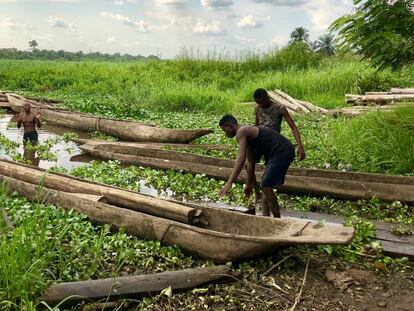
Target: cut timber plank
[(394, 249), (131, 286)]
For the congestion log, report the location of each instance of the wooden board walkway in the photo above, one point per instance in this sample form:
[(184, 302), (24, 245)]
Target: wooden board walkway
[(393, 245)]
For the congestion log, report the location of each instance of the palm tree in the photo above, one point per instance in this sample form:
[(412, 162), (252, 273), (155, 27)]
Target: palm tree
[(299, 34), (33, 44), (326, 44), (314, 46)]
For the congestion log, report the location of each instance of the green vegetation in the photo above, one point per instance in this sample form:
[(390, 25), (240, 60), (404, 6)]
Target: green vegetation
[(375, 32), (48, 244), (130, 90)]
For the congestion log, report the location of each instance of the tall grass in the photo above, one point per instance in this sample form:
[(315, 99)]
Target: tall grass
[(187, 84), (377, 142)]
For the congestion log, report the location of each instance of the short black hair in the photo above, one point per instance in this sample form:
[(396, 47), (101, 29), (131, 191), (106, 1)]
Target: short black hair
[(228, 119), (260, 93)]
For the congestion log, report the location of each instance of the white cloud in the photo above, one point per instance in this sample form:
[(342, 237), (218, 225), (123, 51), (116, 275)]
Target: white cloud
[(216, 3), (10, 23), (122, 2), (279, 40), (42, 38), (283, 2), (55, 21), (323, 12), (249, 21), (213, 28), (168, 21), (172, 2), (243, 39), (112, 40), (140, 26)]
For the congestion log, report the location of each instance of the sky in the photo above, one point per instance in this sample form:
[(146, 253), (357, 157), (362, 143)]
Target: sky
[(162, 27)]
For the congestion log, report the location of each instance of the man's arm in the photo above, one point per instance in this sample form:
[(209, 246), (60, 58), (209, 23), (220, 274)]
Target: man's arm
[(241, 159), (295, 131), (37, 120), (19, 121), (250, 168), (256, 118)]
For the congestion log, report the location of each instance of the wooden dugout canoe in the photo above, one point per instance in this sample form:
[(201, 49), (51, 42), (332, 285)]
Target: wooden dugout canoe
[(127, 130), (154, 151), (112, 195), (360, 187), (228, 236)]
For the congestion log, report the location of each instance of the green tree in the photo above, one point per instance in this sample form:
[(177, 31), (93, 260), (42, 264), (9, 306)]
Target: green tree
[(33, 44), (299, 34), (326, 44), (379, 30)]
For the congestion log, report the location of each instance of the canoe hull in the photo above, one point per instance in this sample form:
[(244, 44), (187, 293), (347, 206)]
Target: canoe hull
[(127, 130), (226, 236)]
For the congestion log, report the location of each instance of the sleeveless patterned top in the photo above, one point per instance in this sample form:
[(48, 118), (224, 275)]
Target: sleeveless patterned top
[(270, 117)]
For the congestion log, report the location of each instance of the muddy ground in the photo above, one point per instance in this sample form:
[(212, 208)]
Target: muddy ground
[(331, 284)]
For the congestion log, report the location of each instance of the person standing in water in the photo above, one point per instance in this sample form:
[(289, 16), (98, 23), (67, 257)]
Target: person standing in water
[(254, 143), (30, 122)]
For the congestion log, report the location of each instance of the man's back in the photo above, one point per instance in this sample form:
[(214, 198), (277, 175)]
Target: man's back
[(269, 143)]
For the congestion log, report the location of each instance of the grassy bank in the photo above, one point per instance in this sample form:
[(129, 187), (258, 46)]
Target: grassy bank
[(129, 89)]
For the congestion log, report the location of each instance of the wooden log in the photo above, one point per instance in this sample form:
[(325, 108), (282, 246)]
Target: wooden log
[(313, 107), (376, 93), (131, 286), (283, 102), (163, 145), (340, 189), (395, 90), (292, 101), (387, 98), (139, 150), (128, 130), (131, 200)]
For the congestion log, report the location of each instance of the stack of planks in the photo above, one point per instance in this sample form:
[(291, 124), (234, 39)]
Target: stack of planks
[(293, 105), (381, 98)]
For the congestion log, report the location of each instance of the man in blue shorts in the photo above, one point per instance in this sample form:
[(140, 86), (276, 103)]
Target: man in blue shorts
[(253, 144)]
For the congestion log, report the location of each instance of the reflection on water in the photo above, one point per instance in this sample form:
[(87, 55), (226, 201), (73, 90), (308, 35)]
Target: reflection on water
[(64, 151)]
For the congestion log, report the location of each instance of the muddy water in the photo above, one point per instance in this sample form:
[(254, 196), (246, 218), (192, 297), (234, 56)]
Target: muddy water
[(69, 156), (64, 151)]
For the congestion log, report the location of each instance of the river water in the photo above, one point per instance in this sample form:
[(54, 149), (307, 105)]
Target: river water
[(69, 156)]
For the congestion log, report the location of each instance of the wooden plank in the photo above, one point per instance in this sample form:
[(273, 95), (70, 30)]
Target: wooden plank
[(131, 286), (394, 249)]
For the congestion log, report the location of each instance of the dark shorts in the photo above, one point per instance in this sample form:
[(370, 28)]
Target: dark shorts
[(31, 137), (276, 169)]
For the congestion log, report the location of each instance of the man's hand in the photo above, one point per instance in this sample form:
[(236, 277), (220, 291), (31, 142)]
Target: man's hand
[(37, 115), (301, 153), (19, 118), (248, 191), (225, 189)]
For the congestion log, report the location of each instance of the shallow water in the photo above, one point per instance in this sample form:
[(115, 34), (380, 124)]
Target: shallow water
[(69, 156)]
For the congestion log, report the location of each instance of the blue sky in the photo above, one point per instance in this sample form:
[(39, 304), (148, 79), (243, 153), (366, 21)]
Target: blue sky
[(162, 27)]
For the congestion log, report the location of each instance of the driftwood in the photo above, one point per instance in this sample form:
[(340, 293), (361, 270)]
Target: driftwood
[(131, 286), (358, 110), (220, 240), (114, 196), (335, 188), (128, 130)]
